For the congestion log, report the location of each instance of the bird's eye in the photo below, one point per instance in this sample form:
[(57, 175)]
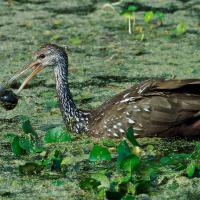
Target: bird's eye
[(41, 56)]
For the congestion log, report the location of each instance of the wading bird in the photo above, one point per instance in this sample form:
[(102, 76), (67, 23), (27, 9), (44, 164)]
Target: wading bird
[(152, 108)]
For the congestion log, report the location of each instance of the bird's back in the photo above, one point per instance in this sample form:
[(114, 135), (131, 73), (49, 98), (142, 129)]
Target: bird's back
[(152, 108)]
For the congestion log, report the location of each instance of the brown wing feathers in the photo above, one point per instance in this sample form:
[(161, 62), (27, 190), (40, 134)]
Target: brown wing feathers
[(152, 108), (187, 85)]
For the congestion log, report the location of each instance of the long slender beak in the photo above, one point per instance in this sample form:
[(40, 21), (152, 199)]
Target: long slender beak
[(36, 66)]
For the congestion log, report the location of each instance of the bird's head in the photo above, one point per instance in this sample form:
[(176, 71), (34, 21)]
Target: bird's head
[(47, 55)]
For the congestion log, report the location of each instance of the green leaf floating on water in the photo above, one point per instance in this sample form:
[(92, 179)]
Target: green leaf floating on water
[(21, 146), (27, 128), (160, 15), (148, 16), (181, 28), (99, 153), (130, 163), (132, 8), (103, 179), (26, 144), (16, 148), (190, 169), (123, 151), (57, 134), (10, 137), (130, 136)]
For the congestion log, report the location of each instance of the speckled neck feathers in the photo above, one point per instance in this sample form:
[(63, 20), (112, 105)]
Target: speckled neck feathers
[(75, 120)]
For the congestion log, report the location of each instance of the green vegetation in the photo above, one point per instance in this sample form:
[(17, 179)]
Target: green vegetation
[(99, 153), (57, 135), (128, 171), (148, 17), (180, 29), (27, 142), (134, 174), (129, 14), (104, 59), (151, 19), (160, 17)]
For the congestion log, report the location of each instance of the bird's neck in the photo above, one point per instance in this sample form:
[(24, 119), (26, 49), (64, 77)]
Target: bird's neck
[(76, 121)]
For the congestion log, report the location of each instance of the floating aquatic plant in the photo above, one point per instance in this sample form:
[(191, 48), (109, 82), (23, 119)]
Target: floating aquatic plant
[(99, 153), (160, 17), (25, 143), (129, 14), (152, 18), (57, 135), (148, 17), (181, 28), (125, 173)]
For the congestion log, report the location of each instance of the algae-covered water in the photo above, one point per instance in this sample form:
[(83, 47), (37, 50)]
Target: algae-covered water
[(104, 59)]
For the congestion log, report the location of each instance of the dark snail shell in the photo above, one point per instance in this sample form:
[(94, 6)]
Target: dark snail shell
[(8, 99)]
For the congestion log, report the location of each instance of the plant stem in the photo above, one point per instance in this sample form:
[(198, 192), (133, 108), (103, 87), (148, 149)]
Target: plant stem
[(129, 25)]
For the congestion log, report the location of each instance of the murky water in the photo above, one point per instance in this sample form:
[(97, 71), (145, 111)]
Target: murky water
[(104, 60)]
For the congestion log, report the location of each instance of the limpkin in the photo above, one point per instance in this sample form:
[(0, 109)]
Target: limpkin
[(152, 108)]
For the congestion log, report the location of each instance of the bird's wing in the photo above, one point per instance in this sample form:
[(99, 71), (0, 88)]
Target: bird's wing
[(186, 85), (152, 107), (154, 88)]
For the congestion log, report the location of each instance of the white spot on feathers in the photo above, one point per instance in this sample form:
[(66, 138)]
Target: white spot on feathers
[(121, 130), (126, 100), (130, 121), (126, 95), (115, 127), (119, 124)]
